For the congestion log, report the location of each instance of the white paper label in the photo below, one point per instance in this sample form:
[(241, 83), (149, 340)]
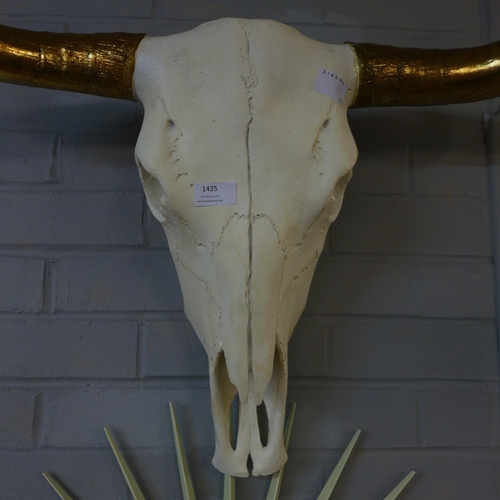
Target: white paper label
[(214, 193), (330, 84)]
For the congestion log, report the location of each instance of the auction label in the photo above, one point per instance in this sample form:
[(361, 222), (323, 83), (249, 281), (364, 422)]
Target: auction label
[(330, 84), (214, 193)]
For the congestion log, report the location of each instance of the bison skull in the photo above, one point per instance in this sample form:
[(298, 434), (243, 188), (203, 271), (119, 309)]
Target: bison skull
[(229, 101)]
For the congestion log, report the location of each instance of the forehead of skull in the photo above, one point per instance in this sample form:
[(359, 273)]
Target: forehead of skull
[(219, 62), (234, 95)]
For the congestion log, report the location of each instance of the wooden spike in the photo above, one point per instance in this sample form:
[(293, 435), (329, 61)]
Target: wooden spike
[(399, 488), (229, 481), (332, 481), (127, 473), (229, 488), (57, 486), (186, 482), (277, 479)]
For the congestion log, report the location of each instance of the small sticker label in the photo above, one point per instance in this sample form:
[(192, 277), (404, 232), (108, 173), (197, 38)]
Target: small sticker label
[(330, 84), (214, 193)]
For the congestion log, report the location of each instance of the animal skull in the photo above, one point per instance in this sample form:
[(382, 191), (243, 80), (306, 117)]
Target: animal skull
[(229, 101), (234, 101)]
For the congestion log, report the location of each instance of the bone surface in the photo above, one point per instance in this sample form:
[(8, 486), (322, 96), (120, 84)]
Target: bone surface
[(234, 101)]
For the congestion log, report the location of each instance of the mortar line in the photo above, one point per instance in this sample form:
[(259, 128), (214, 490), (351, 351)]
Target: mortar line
[(492, 155), (48, 297), (201, 383), (56, 252), (55, 167), (39, 420), (421, 422), (154, 14), (410, 155), (178, 315), (481, 452), (140, 363), (485, 20)]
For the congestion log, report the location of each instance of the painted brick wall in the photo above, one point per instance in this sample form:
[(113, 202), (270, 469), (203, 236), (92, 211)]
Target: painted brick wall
[(399, 336)]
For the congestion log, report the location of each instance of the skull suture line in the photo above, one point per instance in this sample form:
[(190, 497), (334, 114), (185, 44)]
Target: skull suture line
[(233, 100)]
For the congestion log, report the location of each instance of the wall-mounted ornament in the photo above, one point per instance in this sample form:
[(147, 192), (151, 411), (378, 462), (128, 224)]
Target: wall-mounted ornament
[(244, 154), (188, 491)]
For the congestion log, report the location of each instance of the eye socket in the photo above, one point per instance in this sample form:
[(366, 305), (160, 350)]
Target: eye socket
[(153, 190), (338, 193), (342, 184)]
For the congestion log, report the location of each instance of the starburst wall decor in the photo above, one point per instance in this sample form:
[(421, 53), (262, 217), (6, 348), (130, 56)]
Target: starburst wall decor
[(229, 484)]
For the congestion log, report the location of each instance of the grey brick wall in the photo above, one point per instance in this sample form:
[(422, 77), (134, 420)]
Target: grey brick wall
[(399, 336)]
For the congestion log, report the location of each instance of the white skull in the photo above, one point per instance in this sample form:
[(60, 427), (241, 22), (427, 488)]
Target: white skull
[(233, 100)]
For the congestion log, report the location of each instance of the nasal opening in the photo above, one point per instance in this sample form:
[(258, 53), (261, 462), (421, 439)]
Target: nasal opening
[(263, 423), (234, 420), (226, 398)]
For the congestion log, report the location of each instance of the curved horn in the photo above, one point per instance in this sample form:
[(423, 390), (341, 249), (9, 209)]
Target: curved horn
[(391, 76), (100, 64)]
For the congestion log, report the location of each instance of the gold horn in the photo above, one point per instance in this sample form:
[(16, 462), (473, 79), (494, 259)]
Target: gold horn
[(391, 76), (100, 64)]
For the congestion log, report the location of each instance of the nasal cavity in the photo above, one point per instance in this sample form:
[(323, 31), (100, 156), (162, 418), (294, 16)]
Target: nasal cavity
[(263, 423), (234, 421)]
